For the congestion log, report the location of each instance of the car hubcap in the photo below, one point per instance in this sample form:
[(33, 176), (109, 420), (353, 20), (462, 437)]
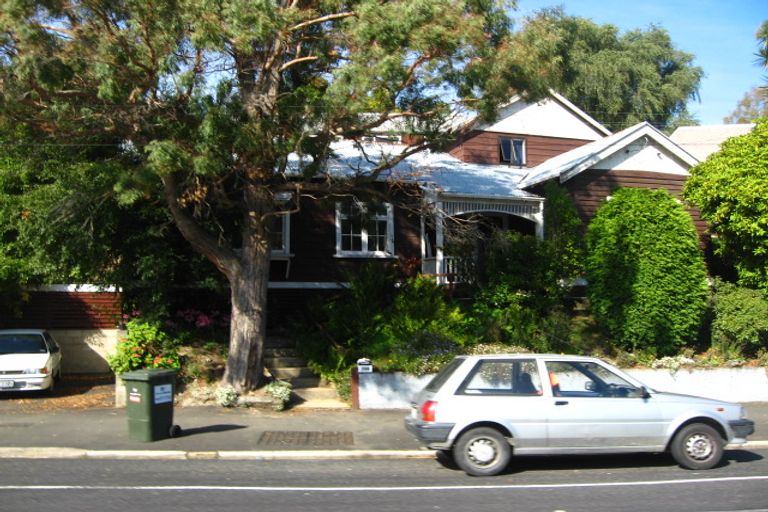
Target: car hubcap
[(699, 447), (482, 451)]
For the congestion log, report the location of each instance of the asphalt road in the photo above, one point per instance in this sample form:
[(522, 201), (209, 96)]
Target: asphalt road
[(617, 483)]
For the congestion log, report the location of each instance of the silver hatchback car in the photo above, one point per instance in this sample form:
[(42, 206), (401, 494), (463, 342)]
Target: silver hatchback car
[(481, 409)]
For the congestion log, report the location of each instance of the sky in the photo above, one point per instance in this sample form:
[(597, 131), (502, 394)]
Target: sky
[(719, 33)]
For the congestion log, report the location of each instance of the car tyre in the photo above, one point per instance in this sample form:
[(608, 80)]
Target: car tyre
[(697, 446), (482, 451)]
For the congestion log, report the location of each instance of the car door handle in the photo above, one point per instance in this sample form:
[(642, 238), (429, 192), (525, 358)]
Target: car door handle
[(561, 402)]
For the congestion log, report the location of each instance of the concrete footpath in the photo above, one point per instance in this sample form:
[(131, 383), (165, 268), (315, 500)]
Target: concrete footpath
[(218, 433)]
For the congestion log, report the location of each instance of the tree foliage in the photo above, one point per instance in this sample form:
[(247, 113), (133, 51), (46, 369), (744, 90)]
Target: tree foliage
[(740, 321), (647, 279), (752, 106), (762, 45), (623, 79), (204, 104), (731, 190), (60, 222)]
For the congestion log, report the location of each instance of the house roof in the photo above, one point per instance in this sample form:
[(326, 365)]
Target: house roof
[(553, 116), (433, 170), (567, 165), (702, 141)]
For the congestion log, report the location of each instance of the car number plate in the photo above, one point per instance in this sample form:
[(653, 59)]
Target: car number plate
[(6, 383)]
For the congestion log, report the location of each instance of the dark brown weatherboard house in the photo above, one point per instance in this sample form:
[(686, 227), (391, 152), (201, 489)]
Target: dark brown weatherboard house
[(494, 171)]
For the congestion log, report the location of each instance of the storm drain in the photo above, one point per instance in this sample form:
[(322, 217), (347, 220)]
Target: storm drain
[(287, 439)]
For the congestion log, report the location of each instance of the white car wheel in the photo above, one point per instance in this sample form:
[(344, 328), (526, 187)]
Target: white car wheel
[(697, 446), (482, 452)]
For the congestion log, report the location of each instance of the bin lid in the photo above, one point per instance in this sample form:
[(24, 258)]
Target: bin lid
[(149, 374)]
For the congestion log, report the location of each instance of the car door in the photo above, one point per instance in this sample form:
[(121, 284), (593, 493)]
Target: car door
[(509, 392), (593, 408)]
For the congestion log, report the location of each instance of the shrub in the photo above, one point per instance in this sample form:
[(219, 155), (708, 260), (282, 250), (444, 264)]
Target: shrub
[(280, 391), (646, 273), (226, 396), (411, 327), (563, 231), (740, 325), (146, 346), (502, 317)]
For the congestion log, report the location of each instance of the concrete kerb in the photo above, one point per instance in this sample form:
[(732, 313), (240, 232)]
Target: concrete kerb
[(270, 455)]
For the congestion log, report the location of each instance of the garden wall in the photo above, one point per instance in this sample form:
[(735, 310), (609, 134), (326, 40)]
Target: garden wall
[(395, 390)]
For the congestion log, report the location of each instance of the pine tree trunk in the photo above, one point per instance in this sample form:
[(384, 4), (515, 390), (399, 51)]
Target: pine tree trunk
[(248, 284), (245, 363), (247, 271)]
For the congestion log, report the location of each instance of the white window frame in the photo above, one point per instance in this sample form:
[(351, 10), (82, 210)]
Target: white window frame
[(511, 161), (285, 251), (389, 241)]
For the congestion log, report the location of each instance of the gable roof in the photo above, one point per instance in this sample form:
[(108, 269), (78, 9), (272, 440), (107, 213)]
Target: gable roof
[(553, 116), (567, 165), (702, 141)]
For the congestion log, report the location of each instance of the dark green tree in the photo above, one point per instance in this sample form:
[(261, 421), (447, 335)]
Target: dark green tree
[(60, 221), (731, 190), (762, 45), (646, 274), (623, 79), (205, 102)]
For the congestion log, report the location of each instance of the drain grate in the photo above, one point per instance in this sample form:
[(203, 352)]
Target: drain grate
[(316, 439)]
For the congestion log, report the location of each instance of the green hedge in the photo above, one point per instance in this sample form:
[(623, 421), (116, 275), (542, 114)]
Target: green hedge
[(740, 324), (646, 273)]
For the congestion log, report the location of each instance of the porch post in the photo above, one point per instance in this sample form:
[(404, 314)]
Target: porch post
[(538, 219), (439, 240)]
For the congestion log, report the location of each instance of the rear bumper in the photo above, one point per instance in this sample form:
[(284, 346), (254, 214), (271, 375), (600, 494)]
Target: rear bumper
[(742, 428), (429, 434)]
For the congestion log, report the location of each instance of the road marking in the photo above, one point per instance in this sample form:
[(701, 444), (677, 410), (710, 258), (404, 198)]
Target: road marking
[(209, 488)]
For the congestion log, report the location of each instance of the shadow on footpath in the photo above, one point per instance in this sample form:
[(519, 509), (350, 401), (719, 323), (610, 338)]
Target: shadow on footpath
[(210, 429)]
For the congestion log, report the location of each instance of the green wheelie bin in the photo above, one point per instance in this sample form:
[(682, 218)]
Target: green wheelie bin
[(149, 404)]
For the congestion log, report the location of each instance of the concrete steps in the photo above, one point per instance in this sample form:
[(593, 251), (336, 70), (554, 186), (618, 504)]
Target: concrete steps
[(309, 391)]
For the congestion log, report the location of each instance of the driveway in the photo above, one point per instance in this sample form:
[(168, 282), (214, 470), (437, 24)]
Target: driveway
[(72, 392)]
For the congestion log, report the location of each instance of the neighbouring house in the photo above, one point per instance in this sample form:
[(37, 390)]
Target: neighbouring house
[(702, 141), (494, 172)]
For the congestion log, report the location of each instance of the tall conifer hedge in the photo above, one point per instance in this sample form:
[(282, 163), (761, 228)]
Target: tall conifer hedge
[(646, 273)]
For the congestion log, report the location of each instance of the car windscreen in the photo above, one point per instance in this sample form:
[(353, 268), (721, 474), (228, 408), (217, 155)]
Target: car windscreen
[(443, 375), (22, 344)]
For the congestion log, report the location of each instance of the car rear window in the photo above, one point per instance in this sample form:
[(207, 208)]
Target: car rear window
[(22, 344), (505, 377), (443, 375)]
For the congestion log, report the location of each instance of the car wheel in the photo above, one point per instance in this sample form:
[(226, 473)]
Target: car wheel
[(482, 452), (697, 446), (52, 388)]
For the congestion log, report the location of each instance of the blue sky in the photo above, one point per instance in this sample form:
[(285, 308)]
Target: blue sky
[(720, 33)]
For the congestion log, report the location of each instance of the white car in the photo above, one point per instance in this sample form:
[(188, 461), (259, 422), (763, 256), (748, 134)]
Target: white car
[(481, 409), (30, 360)]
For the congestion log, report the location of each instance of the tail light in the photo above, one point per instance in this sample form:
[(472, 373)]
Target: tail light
[(428, 410)]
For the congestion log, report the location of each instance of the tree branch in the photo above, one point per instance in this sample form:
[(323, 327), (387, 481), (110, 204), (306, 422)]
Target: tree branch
[(295, 62), (322, 19), (224, 259)]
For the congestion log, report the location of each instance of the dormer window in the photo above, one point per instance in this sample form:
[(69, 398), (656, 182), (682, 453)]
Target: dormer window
[(512, 151)]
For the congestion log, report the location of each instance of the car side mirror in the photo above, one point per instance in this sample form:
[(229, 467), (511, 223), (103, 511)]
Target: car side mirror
[(644, 393), (590, 385)]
